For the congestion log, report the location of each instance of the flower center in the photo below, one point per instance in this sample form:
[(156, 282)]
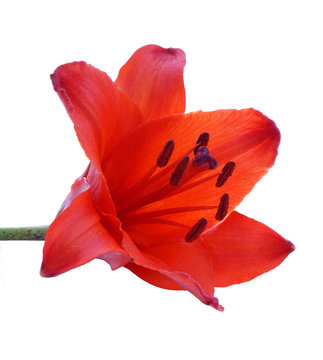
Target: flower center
[(166, 179)]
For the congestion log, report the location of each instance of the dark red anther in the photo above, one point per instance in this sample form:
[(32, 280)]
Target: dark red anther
[(225, 173), (223, 207), (178, 172), (165, 154), (202, 140), (196, 230)]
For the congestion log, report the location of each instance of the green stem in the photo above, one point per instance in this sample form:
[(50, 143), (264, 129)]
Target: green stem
[(23, 233)]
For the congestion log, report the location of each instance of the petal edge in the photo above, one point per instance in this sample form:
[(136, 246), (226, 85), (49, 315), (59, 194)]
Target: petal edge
[(242, 248), (76, 236)]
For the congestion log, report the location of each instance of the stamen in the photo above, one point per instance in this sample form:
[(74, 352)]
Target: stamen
[(165, 154), (178, 173), (225, 173), (203, 140), (223, 207), (196, 230)]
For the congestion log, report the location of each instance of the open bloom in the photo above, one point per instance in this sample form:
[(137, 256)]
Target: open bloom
[(159, 193)]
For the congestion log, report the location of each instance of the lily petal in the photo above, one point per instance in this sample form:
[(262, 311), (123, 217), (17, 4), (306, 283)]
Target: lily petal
[(153, 78), (242, 248), (101, 112), (76, 236), (246, 137), (99, 191), (186, 266)]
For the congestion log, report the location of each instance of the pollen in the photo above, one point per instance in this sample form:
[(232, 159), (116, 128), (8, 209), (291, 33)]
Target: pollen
[(165, 154), (178, 173), (223, 207), (196, 230), (225, 173)]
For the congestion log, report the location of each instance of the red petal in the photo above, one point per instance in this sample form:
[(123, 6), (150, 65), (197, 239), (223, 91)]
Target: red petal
[(101, 112), (99, 192), (153, 78), (242, 248), (77, 188), (246, 137), (186, 265), (76, 236), (153, 277)]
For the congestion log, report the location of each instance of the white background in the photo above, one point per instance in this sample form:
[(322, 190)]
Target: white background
[(264, 54)]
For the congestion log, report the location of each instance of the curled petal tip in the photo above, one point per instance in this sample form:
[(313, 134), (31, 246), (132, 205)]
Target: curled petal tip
[(47, 270), (54, 80), (41, 272), (287, 247), (290, 246), (44, 271), (171, 51), (215, 304), (167, 51), (175, 52)]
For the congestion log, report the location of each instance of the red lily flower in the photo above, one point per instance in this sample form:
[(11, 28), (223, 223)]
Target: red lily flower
[(159, 192)]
